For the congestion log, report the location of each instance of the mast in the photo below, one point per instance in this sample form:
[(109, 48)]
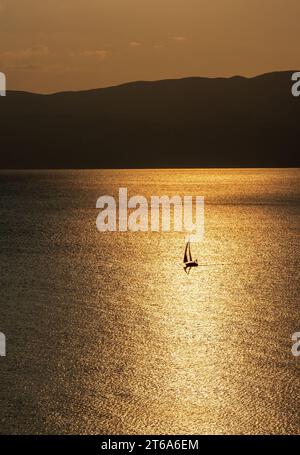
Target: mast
[(185, 258)]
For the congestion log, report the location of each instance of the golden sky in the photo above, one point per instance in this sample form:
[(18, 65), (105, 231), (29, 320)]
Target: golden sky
[(54, 45)]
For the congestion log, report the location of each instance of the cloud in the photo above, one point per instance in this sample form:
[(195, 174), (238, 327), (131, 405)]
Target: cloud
[(24, 58), (98, 54), (46, 68), (158, 46), (25, 54), (180, 39), (135, 44)]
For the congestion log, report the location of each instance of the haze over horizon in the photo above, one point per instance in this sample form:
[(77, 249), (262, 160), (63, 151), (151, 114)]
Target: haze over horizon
[(65, 45)]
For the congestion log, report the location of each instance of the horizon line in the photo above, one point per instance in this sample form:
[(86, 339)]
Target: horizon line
[(149, 81)]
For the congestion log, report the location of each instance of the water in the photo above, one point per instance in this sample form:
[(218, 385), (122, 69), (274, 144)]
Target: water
[(107, 334)]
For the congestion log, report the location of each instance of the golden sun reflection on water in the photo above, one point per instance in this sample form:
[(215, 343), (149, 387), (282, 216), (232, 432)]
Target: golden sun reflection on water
[(111, 335)]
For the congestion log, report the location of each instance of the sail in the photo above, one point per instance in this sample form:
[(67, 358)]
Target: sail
[(187, 253), (190, 254), (186, 259)]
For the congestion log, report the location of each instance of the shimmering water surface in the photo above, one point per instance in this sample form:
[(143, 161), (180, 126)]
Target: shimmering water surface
[(107, 334)]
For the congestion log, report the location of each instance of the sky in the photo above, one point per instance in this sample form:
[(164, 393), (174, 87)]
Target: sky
[(55, 45)]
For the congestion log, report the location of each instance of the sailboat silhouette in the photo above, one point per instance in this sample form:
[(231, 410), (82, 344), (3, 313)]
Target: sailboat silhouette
[(187, 259)]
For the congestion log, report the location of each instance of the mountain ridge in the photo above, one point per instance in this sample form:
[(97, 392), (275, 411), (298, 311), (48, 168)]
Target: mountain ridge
[(155, 81), (187, 122)]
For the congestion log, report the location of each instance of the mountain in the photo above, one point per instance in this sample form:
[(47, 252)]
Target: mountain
[(191, 122)]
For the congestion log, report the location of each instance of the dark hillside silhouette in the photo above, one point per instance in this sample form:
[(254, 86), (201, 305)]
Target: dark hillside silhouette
[(192, 122)]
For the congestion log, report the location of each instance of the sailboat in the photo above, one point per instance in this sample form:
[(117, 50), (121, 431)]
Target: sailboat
[(187, 259)]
